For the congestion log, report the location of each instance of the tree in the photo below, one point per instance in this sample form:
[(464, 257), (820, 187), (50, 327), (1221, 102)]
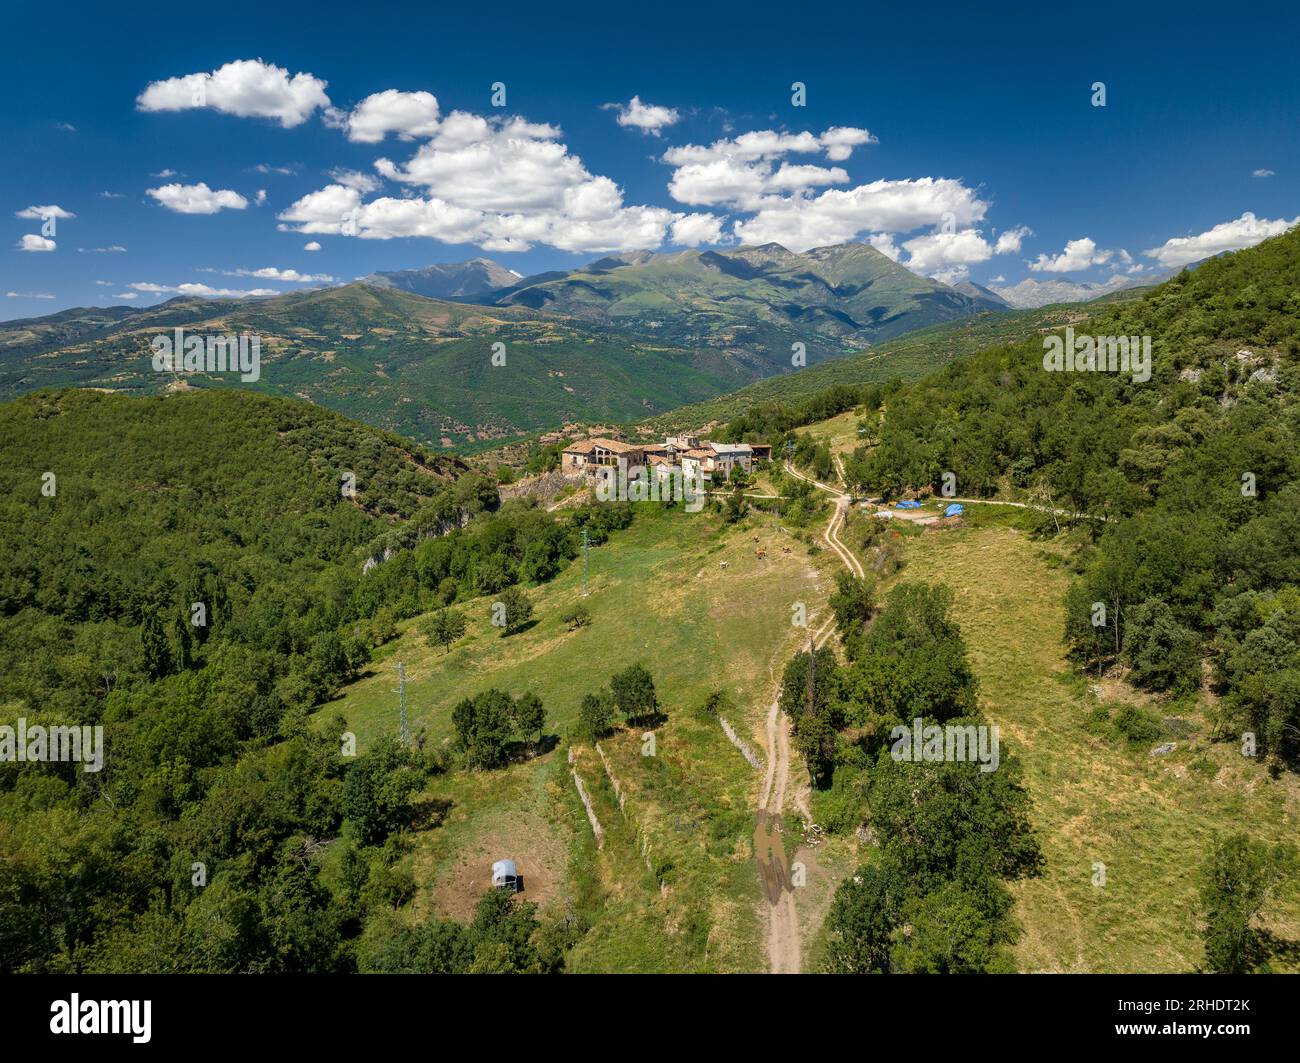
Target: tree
[(1236, 883), (443, 628), (484, 725), (515, 610), (1164, 655), (576, 616), (595, 716), (633, 691), (157, 653), (530, 715), (852, 604), (861, 920), (377, 790), (736, 508)]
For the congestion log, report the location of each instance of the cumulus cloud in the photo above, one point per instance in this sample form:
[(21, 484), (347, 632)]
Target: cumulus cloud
[(29, 295), (247, 88), (408, 114), (271, 273), (504, 184), (32, 242), (311, 245), (692, 230), (647, 117), (127, 295), (362, 182), (1008, 243), (839, 215), (41, 213), (197, 199), (1078, 255), (199, 290), (939, 254), (1263, 173), (741, 172), (1246, 231)]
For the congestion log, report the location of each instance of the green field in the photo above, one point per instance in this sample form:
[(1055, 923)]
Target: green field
[(1149, 819), (660, 596)]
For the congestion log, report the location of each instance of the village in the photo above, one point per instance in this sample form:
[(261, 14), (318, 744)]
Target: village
[(680, 458)]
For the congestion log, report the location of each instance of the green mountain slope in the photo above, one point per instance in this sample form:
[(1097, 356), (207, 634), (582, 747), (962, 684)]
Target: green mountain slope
[(908, 357), (417, 366), (1195, 469), (755, 300)]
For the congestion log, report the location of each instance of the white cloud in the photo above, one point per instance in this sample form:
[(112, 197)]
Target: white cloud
[(115, 249), (164, 173), (260, 198), (884, 243), (32, 242), (742, 172), (40, 213), (692, 230), (1246, 231), (951, 274), (840, 141), (271, 273), (247, 88), (112, 195), (362, 182), (127, 295), (197, 199), (283, 171), (1263, 173), (1078, 255), (29, 295), (888, 206), (504, 184), (938, 253), (647, 117), (311, 245), (198, 289), (1008, 243), (408, 114)]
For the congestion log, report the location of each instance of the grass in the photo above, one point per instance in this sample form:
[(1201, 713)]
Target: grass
[(658, 595), (1149, 820)]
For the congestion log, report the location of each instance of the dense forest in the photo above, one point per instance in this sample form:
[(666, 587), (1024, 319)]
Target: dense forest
[(1182, 491), (195, 574)]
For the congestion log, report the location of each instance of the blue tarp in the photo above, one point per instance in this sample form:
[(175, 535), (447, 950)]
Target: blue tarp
[(908, 504), (955, 510)]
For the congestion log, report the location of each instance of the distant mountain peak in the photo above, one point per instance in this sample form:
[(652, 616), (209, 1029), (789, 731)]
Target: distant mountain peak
[(448, 280)]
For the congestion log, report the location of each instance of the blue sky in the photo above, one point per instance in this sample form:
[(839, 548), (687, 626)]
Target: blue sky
[(962, 142)]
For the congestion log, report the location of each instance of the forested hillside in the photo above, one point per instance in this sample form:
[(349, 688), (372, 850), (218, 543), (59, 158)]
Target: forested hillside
[(1196, 473), (190, 573)]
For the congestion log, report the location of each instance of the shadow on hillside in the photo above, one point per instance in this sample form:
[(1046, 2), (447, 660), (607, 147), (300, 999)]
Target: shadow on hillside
[(1277, 952), (430, 813)]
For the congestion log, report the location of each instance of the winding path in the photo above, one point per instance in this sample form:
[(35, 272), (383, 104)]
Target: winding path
[(784, 951)]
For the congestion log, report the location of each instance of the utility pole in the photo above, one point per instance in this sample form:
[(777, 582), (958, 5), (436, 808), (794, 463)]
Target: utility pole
[(586, 560), (401, 704)]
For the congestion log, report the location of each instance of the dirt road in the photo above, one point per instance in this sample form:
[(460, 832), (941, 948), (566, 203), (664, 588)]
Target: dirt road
[(784, 950)]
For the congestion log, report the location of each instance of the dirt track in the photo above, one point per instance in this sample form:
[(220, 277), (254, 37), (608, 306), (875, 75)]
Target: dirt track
[(784, 950)]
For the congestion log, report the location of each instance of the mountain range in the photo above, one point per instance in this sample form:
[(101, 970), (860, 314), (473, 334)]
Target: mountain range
[(452, 280), (620, 339), (755, 301)]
